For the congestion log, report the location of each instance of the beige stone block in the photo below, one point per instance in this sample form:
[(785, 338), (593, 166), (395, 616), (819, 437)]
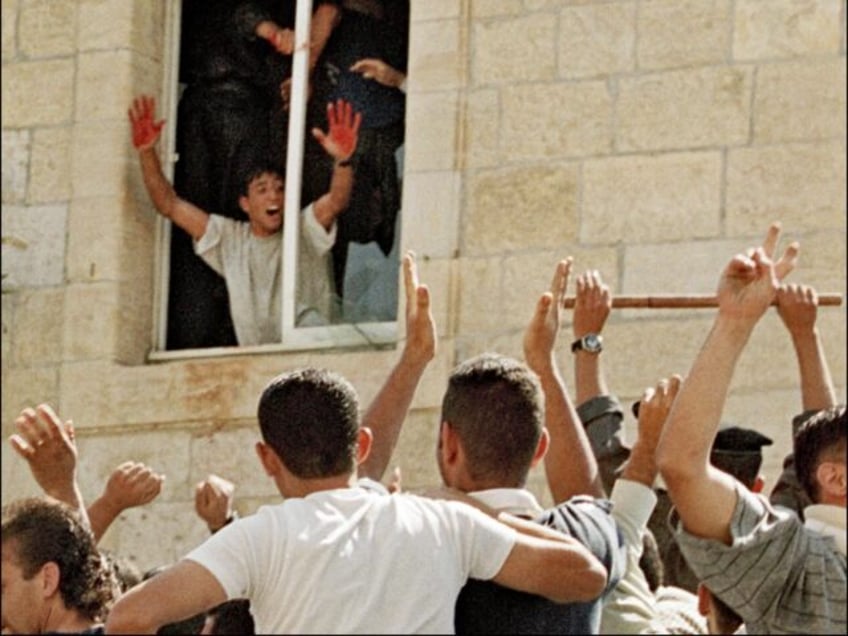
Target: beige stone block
[(135, 317), (768, 360), (228, 450), (654, 198), (543, 121), (494, 8), (38, 335), (802, 185), (433, 10), (521, 208), (28, 387), (9, 24), (121, 24), (167, 452), (434, 54), (17, 481), (94, 239), (684, 109), (800, 101), (415, 452), (597, 39), (639, 352), (104, 68), (480, 293), (683, 33), (139, 534), (33, 250), (46, 28), (99, 159), (822, 258), (90, 320), (7, 326), (15, 165), (434, 224), (37, 93), (785, 28), (431, 141), (482, 128), (50, 165), (684, 267), (514, 49)]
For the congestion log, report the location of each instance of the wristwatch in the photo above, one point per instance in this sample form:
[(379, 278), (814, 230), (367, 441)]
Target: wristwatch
[(591, 342)]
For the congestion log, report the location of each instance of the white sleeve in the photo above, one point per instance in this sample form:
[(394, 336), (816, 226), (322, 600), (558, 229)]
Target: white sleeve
[(485, 542), (314, 234), (228, 556), (208, 247), (632, 505)]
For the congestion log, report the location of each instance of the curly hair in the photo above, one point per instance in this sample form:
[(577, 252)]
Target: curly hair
[(43, 531)]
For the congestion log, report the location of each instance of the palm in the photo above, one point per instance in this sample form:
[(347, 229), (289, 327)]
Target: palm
[(145, 128), (343, 130)]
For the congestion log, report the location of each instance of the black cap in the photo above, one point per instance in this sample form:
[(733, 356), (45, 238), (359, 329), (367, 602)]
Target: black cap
[(735, 439)]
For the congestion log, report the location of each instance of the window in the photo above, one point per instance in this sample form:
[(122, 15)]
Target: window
[(193, 316)]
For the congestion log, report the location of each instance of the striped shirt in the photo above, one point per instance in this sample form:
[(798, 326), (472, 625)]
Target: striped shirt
[(778, 575)]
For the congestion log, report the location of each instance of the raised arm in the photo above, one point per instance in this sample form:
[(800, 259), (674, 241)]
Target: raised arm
[(47, 444), (380, 72), (797, 306), (591, 309), (705, 497), (131, 484), (570, 466), (213, 502), (340, 143), (388, 410), (145, 134)]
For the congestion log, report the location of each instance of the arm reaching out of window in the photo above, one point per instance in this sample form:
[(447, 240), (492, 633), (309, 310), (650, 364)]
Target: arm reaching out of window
[(340, 143), (145, 134)]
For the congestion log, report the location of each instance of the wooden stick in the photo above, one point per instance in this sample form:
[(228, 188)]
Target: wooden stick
[(689, 301)]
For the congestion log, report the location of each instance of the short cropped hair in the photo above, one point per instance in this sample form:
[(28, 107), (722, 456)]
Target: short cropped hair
[(255, 169), (820, 437), (495, 405), (44, 530), (310, 418)]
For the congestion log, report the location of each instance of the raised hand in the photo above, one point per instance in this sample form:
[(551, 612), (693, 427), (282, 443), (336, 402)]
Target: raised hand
[(749, 283), (213, 501), (654, 408), (282, 40), (340, 140), (420, 345), (145, 128), (373, 68), (592, 304), (47, 444), (541, 334), (797, 306), (132, 484)]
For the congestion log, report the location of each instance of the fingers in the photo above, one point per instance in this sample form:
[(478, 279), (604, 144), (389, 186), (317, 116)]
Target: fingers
[(319, 136), (560, 280), (788, 261), (410, 276), (772, 237)]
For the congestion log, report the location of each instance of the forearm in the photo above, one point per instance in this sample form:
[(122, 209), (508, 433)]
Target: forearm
[(101, 514), (337, 198), (641, 467), (570, 465), (159, 189), (817, 391), (324, 20), (387, 412), (588, 376)]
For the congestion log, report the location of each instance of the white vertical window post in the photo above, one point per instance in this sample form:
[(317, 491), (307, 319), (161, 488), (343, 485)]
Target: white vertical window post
[(294, 164)]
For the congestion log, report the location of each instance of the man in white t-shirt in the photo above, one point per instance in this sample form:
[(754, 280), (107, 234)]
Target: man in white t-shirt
[(341, 554), (248, 255)]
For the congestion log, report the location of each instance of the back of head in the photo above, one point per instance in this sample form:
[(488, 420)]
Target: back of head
[(738, 452), (125, 570), (42, 531), (821, 438), (494, 404), (310, 418)]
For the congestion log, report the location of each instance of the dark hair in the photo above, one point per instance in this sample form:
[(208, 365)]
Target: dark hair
[(255, 169), (232, 617), (125, 570), (494, 404), (726, 620), (44, 530), (744, 466), (651, 562), (823, 434), (310, 418)]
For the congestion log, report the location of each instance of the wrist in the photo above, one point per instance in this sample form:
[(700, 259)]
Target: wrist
[(343, 163), (213, 528)]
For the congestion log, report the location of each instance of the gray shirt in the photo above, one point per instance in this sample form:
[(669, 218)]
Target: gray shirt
[(778, 575)]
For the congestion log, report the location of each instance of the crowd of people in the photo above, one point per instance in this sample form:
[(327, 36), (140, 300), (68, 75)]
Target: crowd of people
[(704, 551)]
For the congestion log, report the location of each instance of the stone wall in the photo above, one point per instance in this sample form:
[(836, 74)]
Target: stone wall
[(650, 139)]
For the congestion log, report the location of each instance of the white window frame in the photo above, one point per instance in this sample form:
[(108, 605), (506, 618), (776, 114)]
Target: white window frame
[(371, 334)]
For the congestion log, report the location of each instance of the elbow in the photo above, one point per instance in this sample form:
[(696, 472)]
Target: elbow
[(122, 621), (590, 585), (676, 467)]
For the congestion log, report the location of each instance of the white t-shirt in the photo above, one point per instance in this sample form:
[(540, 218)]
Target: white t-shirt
[(353, 560), (252, 268)]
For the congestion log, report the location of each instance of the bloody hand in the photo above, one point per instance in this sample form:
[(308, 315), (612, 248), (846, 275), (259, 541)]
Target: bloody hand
[(145, 130), (340, 139)]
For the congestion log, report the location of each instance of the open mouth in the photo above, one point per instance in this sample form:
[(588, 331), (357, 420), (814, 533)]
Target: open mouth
[(274, 210)]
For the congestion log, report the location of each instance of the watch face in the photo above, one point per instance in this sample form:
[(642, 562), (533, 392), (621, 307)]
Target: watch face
[(592, 343)]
